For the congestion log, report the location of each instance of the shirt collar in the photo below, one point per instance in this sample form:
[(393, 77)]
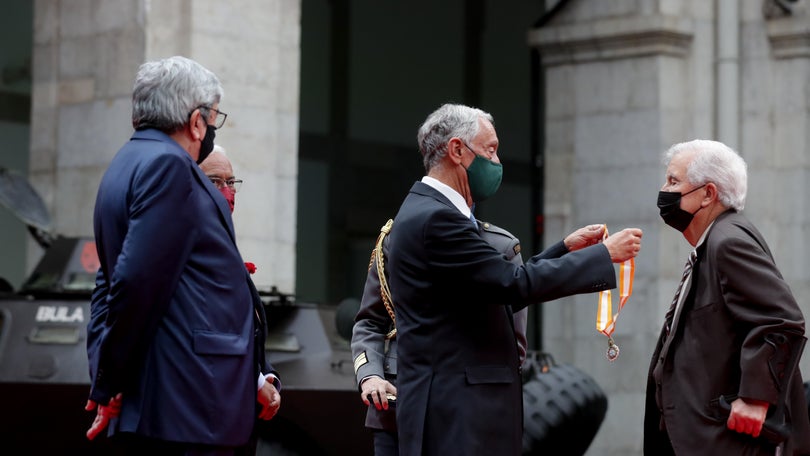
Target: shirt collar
[(703, 236), (450, 193)]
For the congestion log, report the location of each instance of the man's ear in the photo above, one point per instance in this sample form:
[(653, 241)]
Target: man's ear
[(194, 125), (711, 193), (455, 149)]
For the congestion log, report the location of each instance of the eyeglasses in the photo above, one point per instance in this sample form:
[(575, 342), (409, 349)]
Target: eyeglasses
[(220, 183), (219, 121)]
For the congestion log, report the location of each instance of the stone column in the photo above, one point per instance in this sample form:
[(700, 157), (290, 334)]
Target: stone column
[(618, 92), (86, 54)]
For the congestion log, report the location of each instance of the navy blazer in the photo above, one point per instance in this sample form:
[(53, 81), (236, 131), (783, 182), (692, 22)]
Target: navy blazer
[(176, 323), (459, 388)]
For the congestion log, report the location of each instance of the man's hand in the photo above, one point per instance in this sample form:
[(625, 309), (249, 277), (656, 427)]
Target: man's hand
[(103, 415), (270, 400), (584, 237), (376, 389), (747, 416), (624, 245)]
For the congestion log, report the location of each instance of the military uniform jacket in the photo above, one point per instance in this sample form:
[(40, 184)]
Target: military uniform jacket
[(458, 384), (737, 297), (373, 358)]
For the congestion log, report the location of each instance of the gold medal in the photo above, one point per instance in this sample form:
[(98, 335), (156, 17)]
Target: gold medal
[(612, 351)]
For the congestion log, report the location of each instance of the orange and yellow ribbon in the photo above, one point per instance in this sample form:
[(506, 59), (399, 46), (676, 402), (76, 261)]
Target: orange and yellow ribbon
[(605, 320)]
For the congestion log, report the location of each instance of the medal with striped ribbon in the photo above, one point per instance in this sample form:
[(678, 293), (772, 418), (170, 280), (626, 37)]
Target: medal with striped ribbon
[(605, 320)]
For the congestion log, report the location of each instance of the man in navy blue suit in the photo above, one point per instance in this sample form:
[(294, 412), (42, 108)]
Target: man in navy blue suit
[(176, 336), (459, 389)]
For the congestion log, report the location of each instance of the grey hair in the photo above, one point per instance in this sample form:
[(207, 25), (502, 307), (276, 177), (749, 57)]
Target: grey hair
[(167, 90), (717, 163), (449, 121)]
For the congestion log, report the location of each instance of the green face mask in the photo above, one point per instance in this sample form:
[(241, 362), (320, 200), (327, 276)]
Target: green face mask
[(484, 177)]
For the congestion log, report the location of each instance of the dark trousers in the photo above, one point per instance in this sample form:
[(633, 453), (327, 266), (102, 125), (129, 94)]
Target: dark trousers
[(385, 443), (129, 444), (658, 445)]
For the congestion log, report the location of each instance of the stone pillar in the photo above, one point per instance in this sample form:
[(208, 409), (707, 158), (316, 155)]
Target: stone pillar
[(86, 54), (618, 91)]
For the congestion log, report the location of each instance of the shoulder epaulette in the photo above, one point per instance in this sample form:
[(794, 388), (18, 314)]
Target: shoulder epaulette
[(495, 229), (490, 228)]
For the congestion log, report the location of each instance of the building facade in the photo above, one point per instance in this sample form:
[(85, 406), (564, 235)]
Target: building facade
[(324, 100)]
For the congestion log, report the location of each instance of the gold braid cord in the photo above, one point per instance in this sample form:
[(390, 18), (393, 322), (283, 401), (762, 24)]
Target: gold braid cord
[(385, 293)]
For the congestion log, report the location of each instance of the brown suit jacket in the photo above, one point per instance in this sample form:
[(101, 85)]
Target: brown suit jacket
[(737, 297)]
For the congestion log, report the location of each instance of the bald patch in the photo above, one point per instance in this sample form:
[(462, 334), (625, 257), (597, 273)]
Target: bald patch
[(217, 165)]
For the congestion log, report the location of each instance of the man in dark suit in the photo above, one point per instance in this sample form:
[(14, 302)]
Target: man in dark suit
[(176, 336), (458, 383), (374, 343), (733, 329)]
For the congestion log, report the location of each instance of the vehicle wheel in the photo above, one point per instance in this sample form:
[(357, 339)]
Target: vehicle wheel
[(563, 407), (344, 317)]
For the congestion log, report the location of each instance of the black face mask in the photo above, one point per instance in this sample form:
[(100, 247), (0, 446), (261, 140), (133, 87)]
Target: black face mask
[(669, 204), (207, 144)]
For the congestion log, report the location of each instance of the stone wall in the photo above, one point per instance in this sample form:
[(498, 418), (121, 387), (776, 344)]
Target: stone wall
[(86, 54), (624, 81)]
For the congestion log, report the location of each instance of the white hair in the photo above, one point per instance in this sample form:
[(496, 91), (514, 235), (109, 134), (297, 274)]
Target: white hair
[(717, 163), (219, 150), (167, 91), (449, 121)]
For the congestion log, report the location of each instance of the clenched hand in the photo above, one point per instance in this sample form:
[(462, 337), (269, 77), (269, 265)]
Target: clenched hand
[(747, 416), (624, 245), (103, 415), (377, 390), (270, 400)]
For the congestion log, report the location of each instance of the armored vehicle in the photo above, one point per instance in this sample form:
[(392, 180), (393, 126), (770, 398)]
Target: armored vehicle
[(44, 379)]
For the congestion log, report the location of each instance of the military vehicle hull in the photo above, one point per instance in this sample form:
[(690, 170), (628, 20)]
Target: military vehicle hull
[(44, 379), (44, 383)]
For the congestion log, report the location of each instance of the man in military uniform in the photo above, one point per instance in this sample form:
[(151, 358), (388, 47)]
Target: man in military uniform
[(374, 343)]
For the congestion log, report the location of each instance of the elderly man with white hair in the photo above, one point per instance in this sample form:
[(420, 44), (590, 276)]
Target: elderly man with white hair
[(723, 377)]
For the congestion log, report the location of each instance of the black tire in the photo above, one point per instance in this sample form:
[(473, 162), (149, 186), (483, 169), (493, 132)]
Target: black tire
[(344, 317), (563, 408)]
